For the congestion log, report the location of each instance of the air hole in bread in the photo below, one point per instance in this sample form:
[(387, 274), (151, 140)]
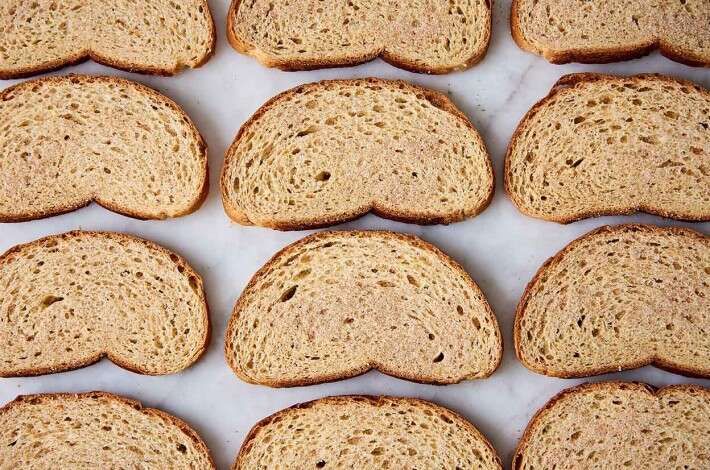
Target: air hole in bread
[(288, 294), (439, 357)]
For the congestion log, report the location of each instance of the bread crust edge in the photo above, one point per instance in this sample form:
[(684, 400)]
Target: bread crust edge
[(376, 400), (570, 81), (93, 359), (436, 98), (557, 258), (63, 209), (354, 372)]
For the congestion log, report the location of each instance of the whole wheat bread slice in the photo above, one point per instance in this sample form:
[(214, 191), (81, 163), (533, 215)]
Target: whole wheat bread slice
[(331, 151), (151, 36), (95, 430), (67, 141), (617, 425), (619, 298), (565, 31), (68, 300), (436, 36), (337, 304), (603, 145), (366, 432)]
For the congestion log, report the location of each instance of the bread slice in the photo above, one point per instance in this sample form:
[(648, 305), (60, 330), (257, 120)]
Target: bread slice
[(437, 36), (337, 304), (619, 425), (68, 300), (603, 145), (67, 141), (95, 430), (151, 36), (619, 298), (565, 31), (331, 151), (366, 432)]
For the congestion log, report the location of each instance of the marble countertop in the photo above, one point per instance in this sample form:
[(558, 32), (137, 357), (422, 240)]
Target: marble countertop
[(500, 248)]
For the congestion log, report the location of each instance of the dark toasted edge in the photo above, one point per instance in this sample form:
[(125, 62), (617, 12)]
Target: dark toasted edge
[(249, 291), (188, 272), (85, 55), (615, 385), (556, 259), (436, 98), (605, 55), (574, 81), (164, 416), (81, 79), (243, 47), (375, 401)]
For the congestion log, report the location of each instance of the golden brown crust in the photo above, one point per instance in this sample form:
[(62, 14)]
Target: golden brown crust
[(166, 417), (174, 257), (63, 209), (639, 386), (525, 298), (284, 252), (242, 46), (345, 399), (82, 56), (571, 81), (436, 98), (599, 55)]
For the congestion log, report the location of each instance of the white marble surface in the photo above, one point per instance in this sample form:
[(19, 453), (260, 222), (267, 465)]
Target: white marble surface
[(500, 248)]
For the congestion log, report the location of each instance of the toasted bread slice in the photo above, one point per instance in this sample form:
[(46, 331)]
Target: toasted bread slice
[(437, 36), (619, 425), (598, 32), (328, 152), (151, 36), (337, 304), (67, 141), (604, 145), (619, 298), (95, 430), (366, 432), (68, 300)]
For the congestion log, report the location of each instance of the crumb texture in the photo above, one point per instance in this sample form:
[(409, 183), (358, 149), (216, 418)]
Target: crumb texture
[(331, 151), (619, 425), (67, 141), (600, 144), (337, 304), (95, 430), (366, 432), (433, 36), (68, 300), (619, 298), (156, 36), (568, 30)]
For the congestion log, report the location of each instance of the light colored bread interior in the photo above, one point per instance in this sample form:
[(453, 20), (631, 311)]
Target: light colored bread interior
[(337, 304), (366, 432), (152, 36), (600, 144), (423, 36), (618, 298), (95, 430), (68, 300), (580, 30), (331, 151), (65, 141), (616, 425)]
